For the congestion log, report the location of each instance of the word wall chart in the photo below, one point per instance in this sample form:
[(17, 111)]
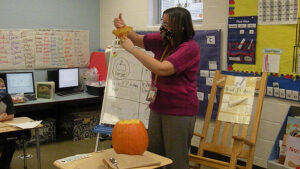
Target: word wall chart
[(40, 48)]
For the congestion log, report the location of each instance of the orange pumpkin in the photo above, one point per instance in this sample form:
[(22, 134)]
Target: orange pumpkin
[(129, 137)]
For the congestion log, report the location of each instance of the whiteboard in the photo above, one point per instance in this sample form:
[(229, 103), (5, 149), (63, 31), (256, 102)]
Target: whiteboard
[(126, 89), (43, 48)]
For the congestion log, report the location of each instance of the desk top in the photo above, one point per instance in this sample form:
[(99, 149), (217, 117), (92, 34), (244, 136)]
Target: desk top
[(5, 128), (57, 99), (96, 161)]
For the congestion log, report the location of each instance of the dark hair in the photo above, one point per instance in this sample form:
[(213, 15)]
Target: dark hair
[(180, 21)]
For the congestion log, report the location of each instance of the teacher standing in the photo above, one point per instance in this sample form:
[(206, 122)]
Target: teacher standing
[(173, 91)]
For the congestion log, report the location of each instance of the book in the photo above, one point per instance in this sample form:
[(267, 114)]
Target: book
[(45, 90), (292, 152), (289, 145), (282, 149), (293, 126)]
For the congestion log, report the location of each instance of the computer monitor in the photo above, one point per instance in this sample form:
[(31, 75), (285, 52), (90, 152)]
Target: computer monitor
[(68, 78), (20, 82)]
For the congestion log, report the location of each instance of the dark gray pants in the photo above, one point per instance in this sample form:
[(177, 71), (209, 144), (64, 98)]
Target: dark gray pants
[(170, 136)]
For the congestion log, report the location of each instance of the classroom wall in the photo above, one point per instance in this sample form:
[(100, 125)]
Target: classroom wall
[(135, 13), (52, 14)]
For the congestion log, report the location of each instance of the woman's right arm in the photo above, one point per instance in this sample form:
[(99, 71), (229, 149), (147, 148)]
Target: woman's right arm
[(138, 40)]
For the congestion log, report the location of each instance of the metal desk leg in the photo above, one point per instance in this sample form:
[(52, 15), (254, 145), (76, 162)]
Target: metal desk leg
[(38, 155), (97, 142)]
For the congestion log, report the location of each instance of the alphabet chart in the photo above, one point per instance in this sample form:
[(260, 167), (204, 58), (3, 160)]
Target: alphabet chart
[(277, 12)]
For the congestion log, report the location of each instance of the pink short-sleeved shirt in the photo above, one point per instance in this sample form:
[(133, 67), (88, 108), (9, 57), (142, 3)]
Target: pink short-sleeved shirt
[(177, 94)]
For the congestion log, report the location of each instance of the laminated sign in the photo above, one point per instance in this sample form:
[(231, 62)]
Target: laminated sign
[(237, 99)]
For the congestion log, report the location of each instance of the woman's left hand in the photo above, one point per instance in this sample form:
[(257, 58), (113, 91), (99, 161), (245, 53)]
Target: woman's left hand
[(127, 44)]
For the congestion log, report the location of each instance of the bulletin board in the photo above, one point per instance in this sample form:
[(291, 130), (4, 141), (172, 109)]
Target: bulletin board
[(209, 42), (43, 48), (127, 84), (275, 36)]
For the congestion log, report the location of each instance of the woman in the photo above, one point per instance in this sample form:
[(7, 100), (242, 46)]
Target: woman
[(174, 69), (7, 112)]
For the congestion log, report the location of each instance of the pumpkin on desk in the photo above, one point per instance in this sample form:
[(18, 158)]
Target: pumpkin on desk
[(129, 137)]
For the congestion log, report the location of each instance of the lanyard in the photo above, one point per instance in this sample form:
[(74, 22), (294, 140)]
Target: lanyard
[(161, 59)]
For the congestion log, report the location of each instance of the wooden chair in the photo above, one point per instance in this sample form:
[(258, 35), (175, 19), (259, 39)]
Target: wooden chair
[(239, 145)]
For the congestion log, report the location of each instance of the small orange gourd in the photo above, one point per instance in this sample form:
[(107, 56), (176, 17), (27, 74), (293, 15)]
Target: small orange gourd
[(129, 137)]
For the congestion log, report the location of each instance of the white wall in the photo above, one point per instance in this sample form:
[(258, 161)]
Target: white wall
[(135, 14)]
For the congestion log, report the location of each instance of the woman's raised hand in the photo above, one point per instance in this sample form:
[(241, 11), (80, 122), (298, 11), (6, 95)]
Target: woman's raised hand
[(127, 44), (119, 22)]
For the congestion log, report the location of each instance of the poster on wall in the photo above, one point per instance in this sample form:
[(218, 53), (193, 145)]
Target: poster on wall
[(237, 99), (43, 48), (209, 42), (271, 60), (277, 12), (241, 40)]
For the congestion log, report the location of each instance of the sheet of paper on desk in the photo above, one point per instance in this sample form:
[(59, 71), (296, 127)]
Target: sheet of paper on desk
[(26, 125), (75, 157)]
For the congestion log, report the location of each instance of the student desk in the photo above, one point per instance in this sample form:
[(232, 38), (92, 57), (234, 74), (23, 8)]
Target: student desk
[(96, 161), (5, 128)]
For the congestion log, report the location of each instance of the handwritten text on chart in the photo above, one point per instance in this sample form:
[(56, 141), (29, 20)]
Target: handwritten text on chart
[(128, 83), (27, 49)]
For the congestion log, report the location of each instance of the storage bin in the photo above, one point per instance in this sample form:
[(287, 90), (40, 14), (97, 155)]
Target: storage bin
[(47, 133), (79, 125), (96, 91)]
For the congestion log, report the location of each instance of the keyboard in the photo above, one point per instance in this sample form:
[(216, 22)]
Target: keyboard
[(69, 92), (30, 97)]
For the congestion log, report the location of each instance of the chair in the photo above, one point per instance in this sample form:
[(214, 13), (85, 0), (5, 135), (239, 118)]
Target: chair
[(242, 143), (104, 133), (98, 61), (15, 138)]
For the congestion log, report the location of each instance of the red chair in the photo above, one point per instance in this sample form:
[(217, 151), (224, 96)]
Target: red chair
[(98, 60)]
